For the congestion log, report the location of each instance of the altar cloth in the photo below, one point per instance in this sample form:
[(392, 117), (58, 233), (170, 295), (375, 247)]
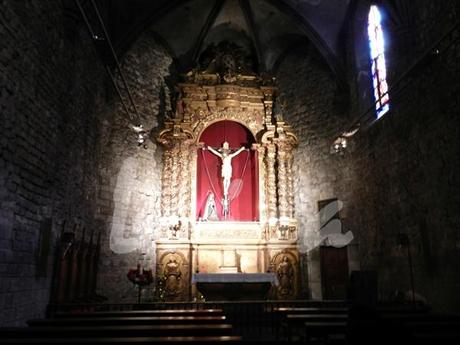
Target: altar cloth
[(235, 286), (235, 278)]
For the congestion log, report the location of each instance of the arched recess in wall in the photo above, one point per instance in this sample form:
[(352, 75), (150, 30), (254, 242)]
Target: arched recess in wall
[(243, 190)]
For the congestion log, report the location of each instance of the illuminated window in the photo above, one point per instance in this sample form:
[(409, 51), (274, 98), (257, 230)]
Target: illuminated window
[(377, 54)]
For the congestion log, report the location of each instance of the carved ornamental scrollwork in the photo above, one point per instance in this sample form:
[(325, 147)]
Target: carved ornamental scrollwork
[(279, 142), (224, 88), (285, 265), (176, 140), (172, 271), (201, 104)]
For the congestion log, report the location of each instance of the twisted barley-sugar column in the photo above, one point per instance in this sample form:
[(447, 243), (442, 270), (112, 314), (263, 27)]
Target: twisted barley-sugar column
[(175, 176), (270, 160), (166, 183), (261, 176), (283, 203), (290, 181), (184, 180)]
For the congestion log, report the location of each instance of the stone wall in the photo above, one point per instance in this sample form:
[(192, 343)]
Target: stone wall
[(130, 175), (399, 176), (404, 168), (314, 108), (50, 89), (67, 152)]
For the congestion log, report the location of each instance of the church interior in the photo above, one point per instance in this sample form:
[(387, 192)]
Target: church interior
[(229, 171)]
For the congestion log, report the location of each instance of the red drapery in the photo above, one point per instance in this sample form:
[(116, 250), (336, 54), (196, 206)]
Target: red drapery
[(244, 187)]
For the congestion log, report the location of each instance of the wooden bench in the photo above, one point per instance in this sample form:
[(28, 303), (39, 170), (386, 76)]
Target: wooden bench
[(117, 331), (128, 321), (280, 313), (325, 330), (127, 340), (142, 313), (295, 323), (301, 318), (309, 310)]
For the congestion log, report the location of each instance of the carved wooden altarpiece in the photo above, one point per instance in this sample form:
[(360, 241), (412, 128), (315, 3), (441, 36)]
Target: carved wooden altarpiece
[(190, 245)]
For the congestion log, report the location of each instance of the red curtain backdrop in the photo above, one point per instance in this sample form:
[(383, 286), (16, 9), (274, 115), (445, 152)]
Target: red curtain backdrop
[(243, 188)]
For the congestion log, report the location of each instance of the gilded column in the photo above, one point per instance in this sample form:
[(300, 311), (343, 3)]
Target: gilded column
[(184, 180), (290, 181), (262, 188), (283, 197), (175, 179), (270, 160), (166, 182)]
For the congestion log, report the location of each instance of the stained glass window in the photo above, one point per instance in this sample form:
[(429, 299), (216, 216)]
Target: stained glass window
[(377, 54)]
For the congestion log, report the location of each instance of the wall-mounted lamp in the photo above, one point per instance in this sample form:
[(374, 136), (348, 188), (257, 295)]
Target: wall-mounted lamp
[(343, 141)]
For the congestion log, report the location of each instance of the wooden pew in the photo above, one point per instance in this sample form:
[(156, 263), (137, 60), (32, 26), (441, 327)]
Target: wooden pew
[(326, 330), (128, 321), (143, 313), (127, 340), (293, 319), (165, 326), (280, 313), (117, 331), (295, 323)]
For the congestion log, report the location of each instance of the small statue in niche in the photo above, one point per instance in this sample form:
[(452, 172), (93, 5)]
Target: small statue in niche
[(285, 273), (172, 277), (210, 210), (174, 229)]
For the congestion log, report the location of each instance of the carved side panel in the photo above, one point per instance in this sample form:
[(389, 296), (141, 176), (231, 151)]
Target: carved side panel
[(173, 278), (285, 264)]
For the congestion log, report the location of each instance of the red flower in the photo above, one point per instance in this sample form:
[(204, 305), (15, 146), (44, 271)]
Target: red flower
[(136, 277)]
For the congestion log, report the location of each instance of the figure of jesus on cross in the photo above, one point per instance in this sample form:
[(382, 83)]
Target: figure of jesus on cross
[(226, 156)]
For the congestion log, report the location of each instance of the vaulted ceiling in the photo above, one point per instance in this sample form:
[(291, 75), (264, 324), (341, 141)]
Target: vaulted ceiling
[(267, 27)]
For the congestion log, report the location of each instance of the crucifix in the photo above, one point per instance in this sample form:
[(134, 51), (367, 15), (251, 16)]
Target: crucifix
[(225, 154)]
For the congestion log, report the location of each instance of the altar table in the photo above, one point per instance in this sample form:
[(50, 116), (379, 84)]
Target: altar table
[(234, 286)]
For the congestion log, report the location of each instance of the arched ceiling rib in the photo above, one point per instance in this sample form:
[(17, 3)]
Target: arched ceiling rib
[(271, 25)]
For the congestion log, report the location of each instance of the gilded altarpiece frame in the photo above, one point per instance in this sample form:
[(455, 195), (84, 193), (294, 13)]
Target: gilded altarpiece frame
[(190, 246)]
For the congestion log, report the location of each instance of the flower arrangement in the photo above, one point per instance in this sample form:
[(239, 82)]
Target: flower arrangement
[(140, 276)]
